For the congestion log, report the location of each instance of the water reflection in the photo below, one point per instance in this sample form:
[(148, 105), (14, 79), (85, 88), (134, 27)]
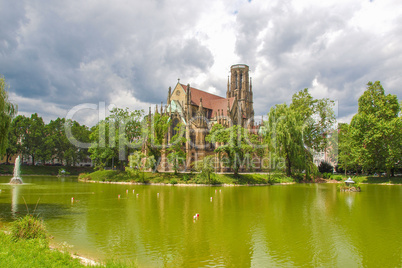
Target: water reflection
[(298, 225)]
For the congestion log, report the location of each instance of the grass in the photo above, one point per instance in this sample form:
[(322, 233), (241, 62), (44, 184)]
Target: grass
[(184, 178), (375, 180), (44, 170), (27, 245), (28, 227)]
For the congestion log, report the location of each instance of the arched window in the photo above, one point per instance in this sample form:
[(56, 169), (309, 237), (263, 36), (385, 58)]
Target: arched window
[(174, 125), (236, 80), (241, 79)]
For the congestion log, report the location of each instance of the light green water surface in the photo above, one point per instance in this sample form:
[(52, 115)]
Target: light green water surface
[(303, 225)]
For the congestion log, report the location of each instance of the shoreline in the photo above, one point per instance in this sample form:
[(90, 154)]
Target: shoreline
[(183, 184)]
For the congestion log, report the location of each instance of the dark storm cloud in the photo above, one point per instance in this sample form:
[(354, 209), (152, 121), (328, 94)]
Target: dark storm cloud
[(291, 48), (73, 52)]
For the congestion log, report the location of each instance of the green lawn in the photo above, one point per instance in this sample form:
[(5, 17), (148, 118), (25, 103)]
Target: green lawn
[(44, 170), (185, 178)]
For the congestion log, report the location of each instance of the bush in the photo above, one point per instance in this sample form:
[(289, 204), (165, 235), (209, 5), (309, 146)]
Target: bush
[(298, 177), (325, 167), (336, 177), (28, 227), (173, 181), (326, 175)]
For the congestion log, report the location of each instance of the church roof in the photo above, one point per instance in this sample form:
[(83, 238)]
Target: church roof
[(209, 101)]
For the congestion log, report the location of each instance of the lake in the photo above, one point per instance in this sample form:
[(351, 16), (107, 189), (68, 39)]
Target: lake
[(299, 225)]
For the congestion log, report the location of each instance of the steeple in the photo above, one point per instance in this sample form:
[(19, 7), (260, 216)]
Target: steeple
[(228, 90), (169, 95)]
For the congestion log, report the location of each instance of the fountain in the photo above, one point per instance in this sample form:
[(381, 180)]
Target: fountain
[(16, 179)]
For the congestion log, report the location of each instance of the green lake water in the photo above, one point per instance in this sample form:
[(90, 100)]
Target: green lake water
[(303, 225)]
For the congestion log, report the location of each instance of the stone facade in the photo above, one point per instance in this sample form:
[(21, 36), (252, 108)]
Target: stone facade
[(199, 111)]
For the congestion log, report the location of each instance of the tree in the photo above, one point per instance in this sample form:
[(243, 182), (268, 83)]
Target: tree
[(285, 136), (237, 147), (113, 138), (206, 167), (376, 130), (176, 155), (73, 153), (155, 135), (325, 167), (294, 132), (33, 140), (7, 112)]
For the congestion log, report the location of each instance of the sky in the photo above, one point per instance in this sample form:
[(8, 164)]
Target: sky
[(71, 58)]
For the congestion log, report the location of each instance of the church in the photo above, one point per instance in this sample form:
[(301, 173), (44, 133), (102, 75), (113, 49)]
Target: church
[(199, 110)]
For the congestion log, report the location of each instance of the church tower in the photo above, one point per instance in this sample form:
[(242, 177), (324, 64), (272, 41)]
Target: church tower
[(240, 86)]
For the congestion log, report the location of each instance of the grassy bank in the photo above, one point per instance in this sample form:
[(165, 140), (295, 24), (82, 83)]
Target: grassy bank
[(226, 178), (377, 180), (44, 170), (184, 178), (26, 244)]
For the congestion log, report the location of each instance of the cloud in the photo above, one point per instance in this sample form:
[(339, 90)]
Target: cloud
[(61, 54)]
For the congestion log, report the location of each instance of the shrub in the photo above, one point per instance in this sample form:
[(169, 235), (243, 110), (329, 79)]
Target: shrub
[(298, 177), (336, 177), (173, 181), (325, 167), (326, 175), (28, 227), (185, 178)]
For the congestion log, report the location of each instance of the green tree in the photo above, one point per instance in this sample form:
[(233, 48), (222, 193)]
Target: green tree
[(376, 130), (155, 136), (74, 153), (237, 147), (114, 138), (296, 131), (285, 136), (33, 140), (176, 155), (206, 167), (7, 112)]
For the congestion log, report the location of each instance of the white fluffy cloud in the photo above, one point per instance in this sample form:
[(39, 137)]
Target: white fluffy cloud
[(56, 55)]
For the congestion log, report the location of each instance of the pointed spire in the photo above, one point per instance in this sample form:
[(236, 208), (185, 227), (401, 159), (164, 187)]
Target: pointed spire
[(200, 107), (156, 109), (228, 91), (169, 95)]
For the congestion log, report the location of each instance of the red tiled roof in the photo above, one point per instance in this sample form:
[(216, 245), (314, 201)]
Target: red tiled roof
[(209, 101), (221, 104), (196, 94)]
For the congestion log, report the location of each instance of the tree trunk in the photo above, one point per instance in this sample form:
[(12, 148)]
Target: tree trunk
[(288, 167)]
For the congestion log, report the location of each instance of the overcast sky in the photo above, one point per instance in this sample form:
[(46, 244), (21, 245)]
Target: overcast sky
[(56, 55)]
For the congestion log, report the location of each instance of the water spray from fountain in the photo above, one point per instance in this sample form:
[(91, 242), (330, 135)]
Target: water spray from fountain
[(16, 178)]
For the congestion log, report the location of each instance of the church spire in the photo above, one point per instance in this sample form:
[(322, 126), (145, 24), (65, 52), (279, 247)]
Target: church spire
[(228, 91)]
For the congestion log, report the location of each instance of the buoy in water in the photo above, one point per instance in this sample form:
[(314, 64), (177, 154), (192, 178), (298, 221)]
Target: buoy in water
[(137, 195), (118, 196), (127, 191), (133, 191), (211, 198), (72, 199)]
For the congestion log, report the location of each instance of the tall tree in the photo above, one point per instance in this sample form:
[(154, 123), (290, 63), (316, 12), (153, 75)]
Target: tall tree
[(376, 130), (114, 137), (34, 137), (296, 131), (7, 112), (237, 147), (177, 155), (155, 135)]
